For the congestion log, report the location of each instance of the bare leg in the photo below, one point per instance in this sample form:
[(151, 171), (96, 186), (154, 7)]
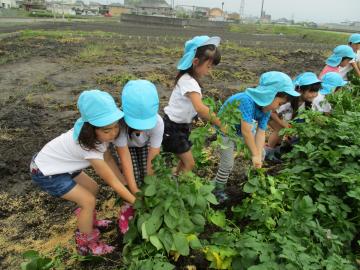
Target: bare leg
[(87, 182), (187, 162), (86, 201)]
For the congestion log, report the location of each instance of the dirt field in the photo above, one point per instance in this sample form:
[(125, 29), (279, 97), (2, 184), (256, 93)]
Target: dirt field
[(41, 75)]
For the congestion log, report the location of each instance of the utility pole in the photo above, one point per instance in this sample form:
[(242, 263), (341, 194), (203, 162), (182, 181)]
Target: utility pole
[(262, 9), (222, 8)]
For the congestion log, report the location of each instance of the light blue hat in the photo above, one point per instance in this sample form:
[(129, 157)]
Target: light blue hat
[(140, 102), (330, 81), (97, 108), (339, 52), (354, 38), (270, 84), (306, 78), (191, 47)]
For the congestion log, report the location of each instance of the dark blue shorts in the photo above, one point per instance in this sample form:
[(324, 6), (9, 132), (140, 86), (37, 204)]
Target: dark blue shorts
[(56, 185)]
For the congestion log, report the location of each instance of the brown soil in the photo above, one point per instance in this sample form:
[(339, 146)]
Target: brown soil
[(40, 79)]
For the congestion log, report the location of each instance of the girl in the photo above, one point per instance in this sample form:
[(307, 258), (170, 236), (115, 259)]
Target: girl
[(341, 57), (57, 168), (354, 43), (256, 105), (142, 129), (331, 82), (307, 85), (200, 55)]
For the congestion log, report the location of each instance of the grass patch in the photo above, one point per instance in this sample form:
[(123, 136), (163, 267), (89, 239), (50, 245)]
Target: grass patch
[(93, 51), (309, 35), (64, 34), (116, 79)]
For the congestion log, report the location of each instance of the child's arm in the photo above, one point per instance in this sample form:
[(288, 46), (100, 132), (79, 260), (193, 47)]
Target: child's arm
[(105, 172), (275, 117), (112, 164), (151, 155), (356, 68), (251, 144), (204, 111), (127, 167), (260, 140)]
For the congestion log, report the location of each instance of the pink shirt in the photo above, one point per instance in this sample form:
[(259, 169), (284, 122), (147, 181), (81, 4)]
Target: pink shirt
[(327, 69)]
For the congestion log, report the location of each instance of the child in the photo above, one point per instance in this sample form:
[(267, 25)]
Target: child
[(256, 104), (200, 55), (57, 168), (142, 130), (341, 57), (308, 85), (354, 43), (331, 82)]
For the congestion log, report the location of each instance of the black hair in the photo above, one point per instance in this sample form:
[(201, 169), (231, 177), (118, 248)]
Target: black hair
[(346, 58), (87, 137), (203, 53), (315, 87)]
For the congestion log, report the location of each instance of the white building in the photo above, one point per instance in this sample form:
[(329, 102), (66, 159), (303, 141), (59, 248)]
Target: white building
[(8, 4)]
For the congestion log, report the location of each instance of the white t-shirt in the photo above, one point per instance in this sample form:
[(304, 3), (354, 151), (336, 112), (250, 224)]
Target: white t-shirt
[(344, 70), (180, 109), (320, 104), (154, 136), (64, 155), (285, 111)]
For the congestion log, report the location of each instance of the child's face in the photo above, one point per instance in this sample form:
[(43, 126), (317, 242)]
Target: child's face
[(356, 47), (203, 69), (345, 62), (277, 102), (309, 96), (108, 133)]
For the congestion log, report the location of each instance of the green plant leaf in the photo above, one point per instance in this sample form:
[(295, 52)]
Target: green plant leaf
[(181, 244)]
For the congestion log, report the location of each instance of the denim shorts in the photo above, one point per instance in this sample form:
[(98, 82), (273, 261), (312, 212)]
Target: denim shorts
[(56, 185)]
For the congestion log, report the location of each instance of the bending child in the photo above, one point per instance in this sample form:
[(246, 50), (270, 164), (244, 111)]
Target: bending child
[(200, 55), (57, 168), (341, 57), (331, 83), (354, 43), (307, 85), (141, 132), (256, 105)]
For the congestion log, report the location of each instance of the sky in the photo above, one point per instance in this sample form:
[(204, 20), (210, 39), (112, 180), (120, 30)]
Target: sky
[(319, 11)]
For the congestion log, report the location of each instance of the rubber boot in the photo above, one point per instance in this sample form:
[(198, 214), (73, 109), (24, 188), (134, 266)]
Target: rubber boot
[(125, 215), (89, 244), (97, 223)]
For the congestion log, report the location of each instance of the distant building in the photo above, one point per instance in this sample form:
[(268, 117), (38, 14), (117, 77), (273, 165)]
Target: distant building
[(233, 16), (201, 12), (149, 7), (265, 18), (8, 4), (216, 14), (116, 9), (283, 21)]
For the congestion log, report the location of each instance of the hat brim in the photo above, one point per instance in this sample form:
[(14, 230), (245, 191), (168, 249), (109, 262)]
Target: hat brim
[(291, 92), (327, 88), (212, 41), (186, 61), (141, 124), (108, 119)]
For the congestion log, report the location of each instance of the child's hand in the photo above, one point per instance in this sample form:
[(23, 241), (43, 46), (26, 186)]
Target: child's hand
[(257, 161)]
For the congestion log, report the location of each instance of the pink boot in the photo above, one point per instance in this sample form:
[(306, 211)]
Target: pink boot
[(100, 224), (125, 215), (89, 244)]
